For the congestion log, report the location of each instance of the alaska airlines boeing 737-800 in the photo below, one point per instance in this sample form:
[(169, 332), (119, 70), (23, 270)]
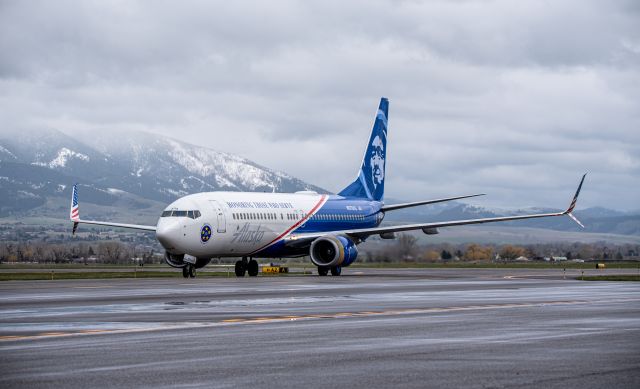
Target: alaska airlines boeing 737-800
[(327, 228)]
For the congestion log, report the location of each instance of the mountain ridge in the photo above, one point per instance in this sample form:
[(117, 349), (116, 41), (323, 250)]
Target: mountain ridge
[(41, 165)]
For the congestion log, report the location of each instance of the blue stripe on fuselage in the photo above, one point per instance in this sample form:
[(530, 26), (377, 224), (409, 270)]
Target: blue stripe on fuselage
[(338, 213)]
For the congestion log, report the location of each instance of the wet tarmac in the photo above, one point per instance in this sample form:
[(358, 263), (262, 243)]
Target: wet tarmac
[(367, 328)]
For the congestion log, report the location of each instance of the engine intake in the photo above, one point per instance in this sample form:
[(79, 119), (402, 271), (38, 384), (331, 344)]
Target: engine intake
[(181, 260), (174, 260), (329, 251)]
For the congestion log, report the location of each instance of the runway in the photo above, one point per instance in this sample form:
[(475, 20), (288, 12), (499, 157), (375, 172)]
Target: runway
[(368, 328)]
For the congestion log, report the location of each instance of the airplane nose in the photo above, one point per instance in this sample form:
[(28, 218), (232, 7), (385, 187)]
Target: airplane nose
[(167, 234)]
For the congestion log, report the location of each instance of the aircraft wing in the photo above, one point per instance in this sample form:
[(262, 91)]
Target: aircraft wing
[(363, 233), (122, 225), (74, 215), (392, 207)]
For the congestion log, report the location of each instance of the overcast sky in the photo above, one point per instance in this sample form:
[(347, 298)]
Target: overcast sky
[(513, 98)]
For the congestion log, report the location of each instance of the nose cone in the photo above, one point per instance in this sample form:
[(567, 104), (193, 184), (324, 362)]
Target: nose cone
[(168, 233)]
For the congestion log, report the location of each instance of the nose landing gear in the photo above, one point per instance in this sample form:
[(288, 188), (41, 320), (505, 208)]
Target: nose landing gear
[(189, 271)]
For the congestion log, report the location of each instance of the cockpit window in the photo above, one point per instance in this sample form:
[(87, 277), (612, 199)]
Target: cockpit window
[(175, 213)]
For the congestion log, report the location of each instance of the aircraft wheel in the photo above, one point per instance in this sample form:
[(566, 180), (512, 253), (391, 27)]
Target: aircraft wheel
[(192, 271), (240, 269), (323, 271), (253, 268), (185, 272), (336, 270)]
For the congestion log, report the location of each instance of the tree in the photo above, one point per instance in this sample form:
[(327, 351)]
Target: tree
[(476, 252), (510, 252), (111, 251), (406, 246), (431, 256)]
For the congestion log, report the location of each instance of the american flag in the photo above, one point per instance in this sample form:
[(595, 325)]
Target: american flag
[(75, 212)]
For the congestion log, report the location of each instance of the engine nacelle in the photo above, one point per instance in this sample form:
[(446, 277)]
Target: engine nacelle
[(181, 260), (174, 260), (329, 251)]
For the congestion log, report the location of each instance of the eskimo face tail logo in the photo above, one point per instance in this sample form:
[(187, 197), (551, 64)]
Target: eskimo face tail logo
[(373, 169), (205, 233), (377, 162)]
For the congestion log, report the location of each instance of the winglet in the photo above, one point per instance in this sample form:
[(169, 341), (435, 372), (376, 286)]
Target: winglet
[(573, 203), (74, 212)]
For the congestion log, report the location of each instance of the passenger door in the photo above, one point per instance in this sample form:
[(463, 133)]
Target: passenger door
[(222, 222)]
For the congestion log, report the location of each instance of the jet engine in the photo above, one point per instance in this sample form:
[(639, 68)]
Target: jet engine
[(329, 251), (174, 260), (181, 260)]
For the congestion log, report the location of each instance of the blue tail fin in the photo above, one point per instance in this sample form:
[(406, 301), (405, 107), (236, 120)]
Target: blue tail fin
[(370, 181)]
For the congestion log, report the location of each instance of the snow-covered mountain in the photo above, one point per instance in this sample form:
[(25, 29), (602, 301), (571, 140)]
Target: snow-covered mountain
[(39, 166)]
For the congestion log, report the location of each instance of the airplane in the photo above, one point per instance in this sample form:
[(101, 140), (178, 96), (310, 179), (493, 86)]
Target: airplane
[(326, 227)]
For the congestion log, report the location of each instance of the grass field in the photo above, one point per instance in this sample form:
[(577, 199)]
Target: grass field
[(491, 265), (24, 271), (627, 277)]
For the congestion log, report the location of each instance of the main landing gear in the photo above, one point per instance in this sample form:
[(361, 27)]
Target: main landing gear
[(324, 270), (250, 267), (189, 271)]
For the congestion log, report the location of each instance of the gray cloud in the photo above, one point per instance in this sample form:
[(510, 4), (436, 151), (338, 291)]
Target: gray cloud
[(513, 98)]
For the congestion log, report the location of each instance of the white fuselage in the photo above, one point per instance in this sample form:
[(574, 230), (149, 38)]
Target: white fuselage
[(240, 223)]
